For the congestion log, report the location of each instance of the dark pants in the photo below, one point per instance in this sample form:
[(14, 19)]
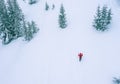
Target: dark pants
[(80, 58)]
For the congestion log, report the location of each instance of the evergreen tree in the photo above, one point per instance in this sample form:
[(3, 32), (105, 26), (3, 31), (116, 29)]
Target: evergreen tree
[(62, 18), (102, 18), (10, 21), (30, 30), (4, 23), (53, 6), (109, 18), (15, 18), (116, 80), (34, 27), (28, 33), (46, 6), (32, 1), (97, 20)]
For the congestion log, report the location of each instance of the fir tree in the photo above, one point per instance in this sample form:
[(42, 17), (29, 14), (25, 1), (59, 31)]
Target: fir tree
[(15, 18), (10, 21), (34, 27), (116, 80), (109, 18), (102, 18), (97, 20), (4, 23), (32, 1), (62, 18), (53, 6), (28, 33), (46, 6), (30, 30)]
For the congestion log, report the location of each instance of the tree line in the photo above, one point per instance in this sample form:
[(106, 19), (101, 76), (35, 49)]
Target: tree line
[(13, 24)]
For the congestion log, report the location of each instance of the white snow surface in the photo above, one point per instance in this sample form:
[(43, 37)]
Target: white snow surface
[(51, 57)]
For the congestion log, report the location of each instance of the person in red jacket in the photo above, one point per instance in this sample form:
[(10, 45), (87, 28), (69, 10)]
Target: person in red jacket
[(80, 55)]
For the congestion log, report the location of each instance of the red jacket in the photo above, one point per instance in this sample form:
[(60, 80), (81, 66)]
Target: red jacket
[(80, 55)]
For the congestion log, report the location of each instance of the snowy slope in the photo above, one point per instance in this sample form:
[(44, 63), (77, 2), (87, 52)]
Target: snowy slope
[(51, 57)]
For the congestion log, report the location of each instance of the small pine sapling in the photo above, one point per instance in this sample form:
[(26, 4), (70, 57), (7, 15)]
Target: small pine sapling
[(32, 2), (46, 6)]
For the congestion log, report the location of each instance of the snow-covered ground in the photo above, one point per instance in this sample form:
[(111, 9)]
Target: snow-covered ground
[(51, 57)]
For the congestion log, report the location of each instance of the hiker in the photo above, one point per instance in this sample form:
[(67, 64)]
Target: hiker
[(80, 55)]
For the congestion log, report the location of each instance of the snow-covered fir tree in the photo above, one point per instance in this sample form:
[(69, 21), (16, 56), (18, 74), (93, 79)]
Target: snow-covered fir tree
[(30, 30), (32, 1), (5, 33), (12, 21), (15, 18), (102, 18), (62, 18), (116, 80), (109, 17), (53, 6), (46, 6)]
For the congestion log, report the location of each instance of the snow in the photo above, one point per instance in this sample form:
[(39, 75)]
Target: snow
[(51, 56)]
